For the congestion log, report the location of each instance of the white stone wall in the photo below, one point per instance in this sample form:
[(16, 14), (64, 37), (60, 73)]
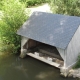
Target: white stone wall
[(23, 41), (73, 49), (62, 53), (23, 51)]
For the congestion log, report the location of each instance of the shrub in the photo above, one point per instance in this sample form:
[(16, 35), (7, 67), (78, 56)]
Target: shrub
[(77, 65), (30, 3), (1, 4), (69, 7), (13, 17)]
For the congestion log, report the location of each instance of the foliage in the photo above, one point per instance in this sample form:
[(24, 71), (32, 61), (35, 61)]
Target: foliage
[(30, 3), (77, 65), (13, 17), (69, 7), (1, 4)]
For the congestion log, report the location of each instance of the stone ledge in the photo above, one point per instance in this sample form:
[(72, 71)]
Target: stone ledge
[(75, 73)]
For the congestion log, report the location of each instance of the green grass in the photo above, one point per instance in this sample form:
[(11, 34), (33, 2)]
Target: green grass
[(77, 65)]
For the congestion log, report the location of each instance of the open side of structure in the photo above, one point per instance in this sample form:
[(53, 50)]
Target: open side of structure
[(43, 52)]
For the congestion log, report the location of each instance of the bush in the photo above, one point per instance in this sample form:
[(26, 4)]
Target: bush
[(1, 4), (30, 3), (13, 17), (69, 7), (77, 65)]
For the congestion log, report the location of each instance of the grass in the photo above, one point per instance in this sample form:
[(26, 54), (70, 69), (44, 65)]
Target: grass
[(77, 65)]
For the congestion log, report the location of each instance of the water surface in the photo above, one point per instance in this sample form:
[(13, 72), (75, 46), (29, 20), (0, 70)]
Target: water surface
[(15, 68)]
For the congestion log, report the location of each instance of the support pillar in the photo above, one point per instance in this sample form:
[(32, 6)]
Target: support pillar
[(64, 71), (23, 51)]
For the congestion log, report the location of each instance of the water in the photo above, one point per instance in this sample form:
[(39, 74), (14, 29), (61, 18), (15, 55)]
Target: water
[(15, 68)]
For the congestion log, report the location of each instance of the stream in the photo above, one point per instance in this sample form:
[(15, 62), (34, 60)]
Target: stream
[(14, 68)]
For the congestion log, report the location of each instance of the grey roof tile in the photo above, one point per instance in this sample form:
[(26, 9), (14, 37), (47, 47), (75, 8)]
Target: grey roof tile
[(53, 29)]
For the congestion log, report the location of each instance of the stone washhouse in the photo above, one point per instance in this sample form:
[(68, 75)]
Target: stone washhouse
[(51, 38)]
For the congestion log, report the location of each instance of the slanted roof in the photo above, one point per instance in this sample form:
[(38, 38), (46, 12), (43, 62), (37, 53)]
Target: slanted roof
[(53, 29)]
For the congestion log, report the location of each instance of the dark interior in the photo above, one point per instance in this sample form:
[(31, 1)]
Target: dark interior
[(44, 49)]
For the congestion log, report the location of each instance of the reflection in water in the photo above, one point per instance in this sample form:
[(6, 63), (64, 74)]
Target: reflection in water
[(15, 68), (44, 75)]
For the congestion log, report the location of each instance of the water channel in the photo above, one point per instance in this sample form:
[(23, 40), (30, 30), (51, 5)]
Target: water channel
[(14, 68)]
